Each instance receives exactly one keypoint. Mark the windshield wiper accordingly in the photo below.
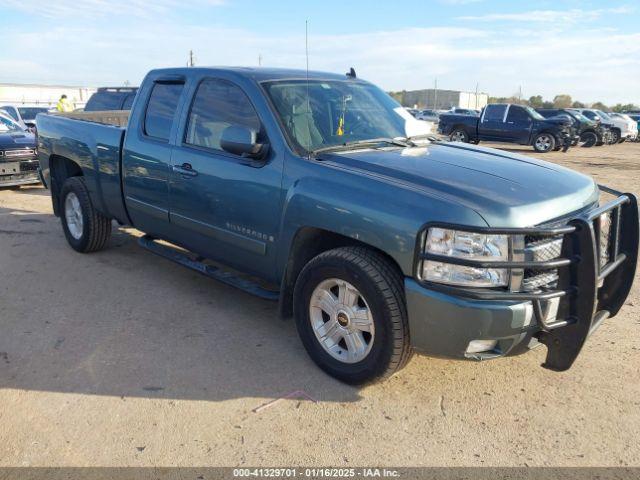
(400, 142)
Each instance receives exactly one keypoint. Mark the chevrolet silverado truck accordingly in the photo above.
(18, 154)
(510, 123)
(306, 188)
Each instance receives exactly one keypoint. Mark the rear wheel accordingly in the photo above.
(86, 229)
(351, 316)
(459, 135)
(544, 142)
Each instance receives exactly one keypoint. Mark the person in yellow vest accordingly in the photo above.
(64, 105)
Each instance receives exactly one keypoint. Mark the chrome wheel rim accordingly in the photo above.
(543, 142)
(457, 136)
(73, 215)
(341, 320)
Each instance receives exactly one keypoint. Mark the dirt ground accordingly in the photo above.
(121, 358)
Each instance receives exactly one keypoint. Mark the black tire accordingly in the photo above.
(459, 135)
(615, 136)
(622, 140)
(96, 228)
(557, 148)
(381, 286)
(544, 143)
(589, 139)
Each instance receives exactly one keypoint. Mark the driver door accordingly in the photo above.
(518, 125)
(221, 205)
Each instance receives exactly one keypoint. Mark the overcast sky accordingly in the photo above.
(588, 49)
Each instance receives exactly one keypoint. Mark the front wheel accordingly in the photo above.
(615, 136)
(351, 316)
(544, 142)
(86, 229)
(588, 139)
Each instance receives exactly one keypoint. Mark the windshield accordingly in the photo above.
(335, 112)
(534, 114)
(8, 125)
(29, 113)
(603, 115)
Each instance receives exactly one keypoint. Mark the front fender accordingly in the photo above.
(376, 212)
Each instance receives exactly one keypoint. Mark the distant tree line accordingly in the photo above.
(562, 101)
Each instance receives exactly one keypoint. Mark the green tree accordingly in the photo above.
(578, 104)
(562, 101)
(547, 104)
(624, 108)
(599, 106)
(536, 101)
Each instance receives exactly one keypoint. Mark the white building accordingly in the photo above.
(44, 95)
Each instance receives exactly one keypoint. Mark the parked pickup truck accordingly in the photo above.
(378, 244)
(18, 154)
(509, 123)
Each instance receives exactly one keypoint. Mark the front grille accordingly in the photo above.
(540, 249)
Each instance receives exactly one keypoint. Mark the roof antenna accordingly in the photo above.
(306, 51)
(351, 73)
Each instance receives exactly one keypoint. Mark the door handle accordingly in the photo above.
(186, 170)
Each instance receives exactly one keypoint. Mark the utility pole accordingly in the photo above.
(476, 95)
(259, 59)
(435, 94)
(520, 94)
(190, 63)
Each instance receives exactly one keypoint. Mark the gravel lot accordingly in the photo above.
(121, 358)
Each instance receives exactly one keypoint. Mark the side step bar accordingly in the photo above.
(211, 271)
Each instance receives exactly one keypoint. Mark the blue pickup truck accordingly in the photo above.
(379, 243)
(508, 123)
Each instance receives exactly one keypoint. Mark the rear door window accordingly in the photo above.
(494, 113)
(217, 105)
(161, 109)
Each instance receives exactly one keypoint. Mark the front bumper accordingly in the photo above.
(26, 175)
(443, 325)
(443, 320)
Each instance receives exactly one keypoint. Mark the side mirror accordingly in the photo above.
(242, 141)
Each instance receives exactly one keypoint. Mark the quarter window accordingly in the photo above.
(494, 113)
(161, 109)
(217, 105)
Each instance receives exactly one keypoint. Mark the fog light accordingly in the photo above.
(479, 346)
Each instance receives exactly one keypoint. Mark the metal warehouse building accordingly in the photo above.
(45, 95)
(441, 99)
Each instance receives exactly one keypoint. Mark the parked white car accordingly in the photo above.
(632, 122)
(25, 115)
(621, 128)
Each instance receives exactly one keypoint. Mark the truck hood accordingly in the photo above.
(506, 189)
(9, 140)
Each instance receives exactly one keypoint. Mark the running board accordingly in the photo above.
(211, 271)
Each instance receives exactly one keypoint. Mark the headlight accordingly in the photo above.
(467, 246)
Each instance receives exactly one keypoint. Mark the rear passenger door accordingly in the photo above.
(147, 158)
(224, 206)
(491, 125)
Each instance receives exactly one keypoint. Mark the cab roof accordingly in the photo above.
(258, 74)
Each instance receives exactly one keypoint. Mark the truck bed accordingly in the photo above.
(95, 144)
(119, 118)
